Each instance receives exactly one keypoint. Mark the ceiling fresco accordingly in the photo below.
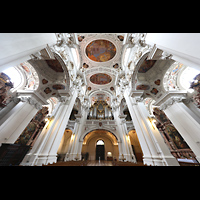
(100, 79)
(55, 65)
(100, 59)
(100, 97)
(100, 50)
(146, 65)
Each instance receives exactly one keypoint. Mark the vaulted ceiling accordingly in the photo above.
(101, 60)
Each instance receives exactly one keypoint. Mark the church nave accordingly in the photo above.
(99, 99)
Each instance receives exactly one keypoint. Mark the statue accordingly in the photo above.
(5, 86)
(195, 85)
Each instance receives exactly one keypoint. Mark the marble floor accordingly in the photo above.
(101, 163)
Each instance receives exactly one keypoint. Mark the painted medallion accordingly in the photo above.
(100, 50)
(100, 79)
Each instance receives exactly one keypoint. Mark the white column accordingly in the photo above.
(125, 141)
(48, 143)
(18, 118)
(76, 143)
(68, 154)
(193, 110)
(125, 145)
(184, 122)
(32, 157)
(8, 110)
(183, 46)
(155, 151)
(17, 47)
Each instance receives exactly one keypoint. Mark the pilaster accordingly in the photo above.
(186, 125)
(155, 151)
(46, 146)
(76, 146)
(8, 110)
(183, 121)
(124, 146)
(22, 114)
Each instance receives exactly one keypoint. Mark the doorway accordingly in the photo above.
(92, 139)
(100, 150)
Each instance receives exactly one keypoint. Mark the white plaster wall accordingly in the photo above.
(16, 47)
(184, 46)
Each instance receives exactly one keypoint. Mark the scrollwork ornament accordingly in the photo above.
(62, 99)
(163, 106)
(188, 100)
(32, 101)
(38, 106)
(138, 99)
(24, 99)
(15, 99)
(171, 101)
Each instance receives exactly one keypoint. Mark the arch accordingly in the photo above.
(185, 77)
(53, 76)
(100, 142)
(137, 67)
(178, 76)
(94, 92)
(91, 147)
(14, 73)
(170, 78)
(64, 67)
(28, 75)
(92, 129)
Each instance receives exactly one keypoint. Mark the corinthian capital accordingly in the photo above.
(33, 98)
(32, 102)
(170, 98)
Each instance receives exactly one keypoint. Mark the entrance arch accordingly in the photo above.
(92, 149)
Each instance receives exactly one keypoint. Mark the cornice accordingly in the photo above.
(32, 97)
(170, 98)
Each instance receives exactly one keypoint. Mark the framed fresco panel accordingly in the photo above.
(100, 50)
(100, 79)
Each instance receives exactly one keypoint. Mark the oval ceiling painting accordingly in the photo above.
(100, 50)
(100, 79)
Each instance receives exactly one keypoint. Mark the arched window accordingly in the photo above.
(179, 77)
(100, 142)
(23, 77)
(170, 78)
(186, 77)
(15, 75)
